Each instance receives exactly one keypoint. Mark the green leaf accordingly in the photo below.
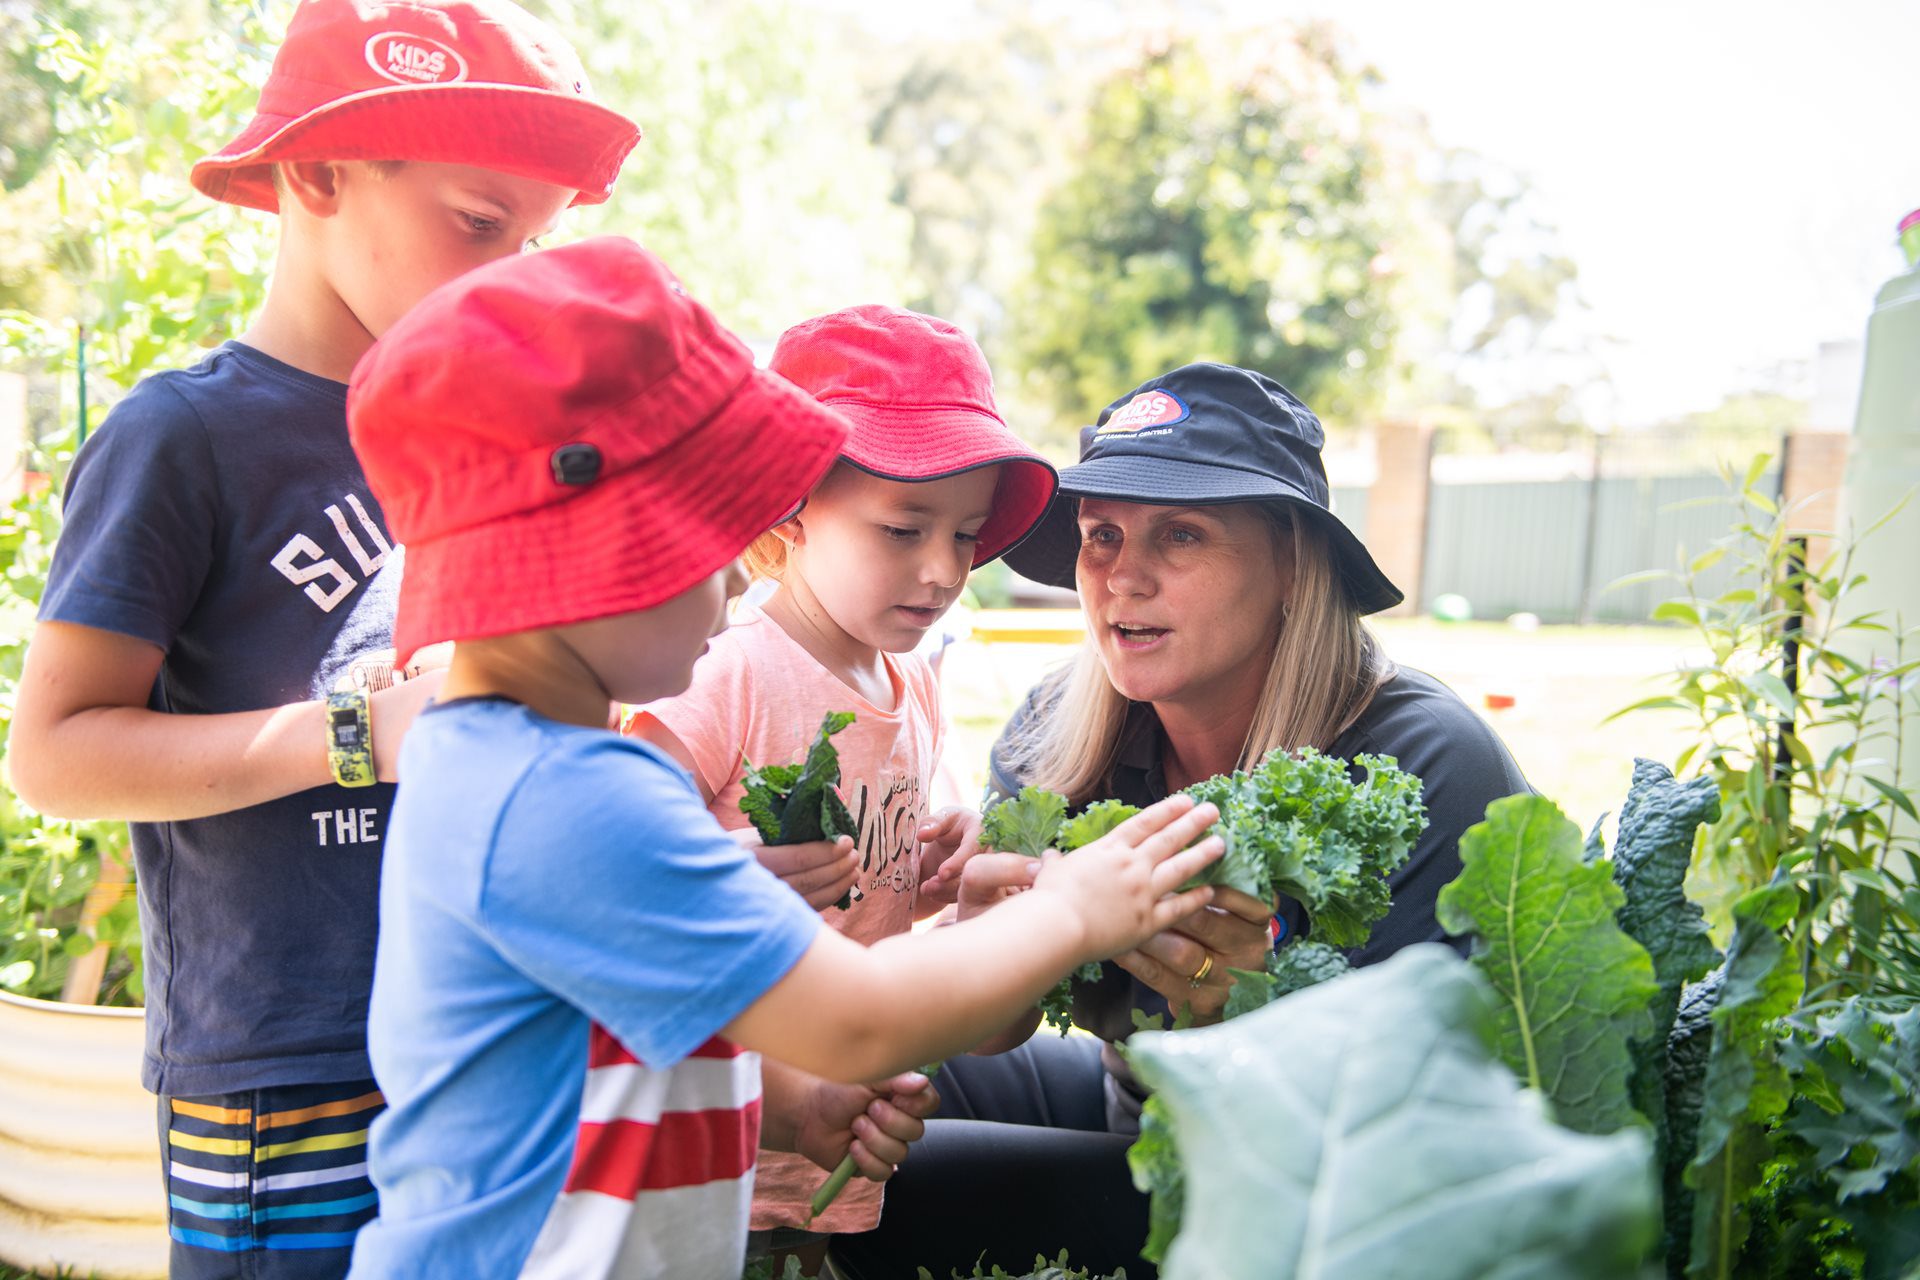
(16, 975)
(1155, 1162)
(1323, 840)
(1658, 827)
(1676, 611)
(797, 803)
(1094, 821)
(1364, 1128)
(1027, 824)
(1745, 1088)
(1900, 799)
(1689, 1045)
(1772, 688)
(1872, 1063)
(1574, 987)
(1292, 968)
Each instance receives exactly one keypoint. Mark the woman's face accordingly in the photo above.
(1183, 603)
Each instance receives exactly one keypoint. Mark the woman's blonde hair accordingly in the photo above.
(1324, 669)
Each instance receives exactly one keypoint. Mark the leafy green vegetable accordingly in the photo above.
(1688, 1045)
(1027, 824)
(1746, 1088)
(1365, 1128)
(797, 803)
(1032, 823)
(1154, 1159)
(1574, 988)
(1298, 825)
(1094, 821)
(1864, 1123)
(1290, 969)
(1658, 827)
(1057, 1269)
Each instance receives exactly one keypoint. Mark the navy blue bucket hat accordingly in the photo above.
(1202, 435)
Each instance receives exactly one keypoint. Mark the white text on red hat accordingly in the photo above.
(406, 58)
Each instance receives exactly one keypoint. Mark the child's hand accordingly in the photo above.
(1122, 885)
(819, 871)
(948, 840)
(391, 713)
(873, 1123)
(992, 878)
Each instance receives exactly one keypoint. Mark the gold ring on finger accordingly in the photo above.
(1200, 975)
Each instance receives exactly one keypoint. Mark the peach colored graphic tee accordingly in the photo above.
(758, 696)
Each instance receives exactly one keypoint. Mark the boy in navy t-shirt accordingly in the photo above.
(575, 454)
(224, 569)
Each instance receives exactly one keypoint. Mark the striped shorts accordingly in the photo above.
(269, 1183)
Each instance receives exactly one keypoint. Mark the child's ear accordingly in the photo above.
(313, 184)
(792, 532)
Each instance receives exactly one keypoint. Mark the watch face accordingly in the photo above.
(346, 729)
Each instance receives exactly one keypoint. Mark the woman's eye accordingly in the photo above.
(1098, 537)
(1182, 537)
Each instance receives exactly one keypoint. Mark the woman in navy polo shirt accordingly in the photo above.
(1223, 602)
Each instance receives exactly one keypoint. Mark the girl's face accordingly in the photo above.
(885, 559)
(1183, 603)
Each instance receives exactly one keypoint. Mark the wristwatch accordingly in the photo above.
(350, 739)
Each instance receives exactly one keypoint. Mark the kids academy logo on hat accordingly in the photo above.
(1150, 411)
(405, 58)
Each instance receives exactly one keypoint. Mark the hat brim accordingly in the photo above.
(917, 443)
(1050, 553)
(568, 141)
(631, 542)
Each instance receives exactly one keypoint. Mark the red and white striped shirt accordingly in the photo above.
(662, 1178)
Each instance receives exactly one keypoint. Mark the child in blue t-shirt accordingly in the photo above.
(224, 571)
(575, 454)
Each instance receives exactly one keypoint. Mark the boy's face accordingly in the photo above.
(646, 655)
(886, 559)
(392, 235)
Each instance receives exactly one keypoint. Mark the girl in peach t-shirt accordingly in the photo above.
(931, 484)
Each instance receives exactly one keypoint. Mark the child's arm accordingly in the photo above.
(824, 1121)
(853, 1013)
(85, 745)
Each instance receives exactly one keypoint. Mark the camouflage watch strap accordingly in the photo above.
(350, 739)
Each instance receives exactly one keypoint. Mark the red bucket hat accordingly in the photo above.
(920, 397)
(566, 435)
(479, 82)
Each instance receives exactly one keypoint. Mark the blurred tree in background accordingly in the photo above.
(1230, 201)
(754, 180)
(1243, 196)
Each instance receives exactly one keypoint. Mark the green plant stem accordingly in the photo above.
(830, 1189)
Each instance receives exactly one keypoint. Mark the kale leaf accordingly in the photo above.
(1027, 824)
(797, 803)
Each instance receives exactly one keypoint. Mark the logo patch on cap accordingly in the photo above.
(1145, 411)
(405, 58)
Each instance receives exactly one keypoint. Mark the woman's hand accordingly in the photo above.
(1233, 933)
(819, 870)
(875, 1124)
(948, 841)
